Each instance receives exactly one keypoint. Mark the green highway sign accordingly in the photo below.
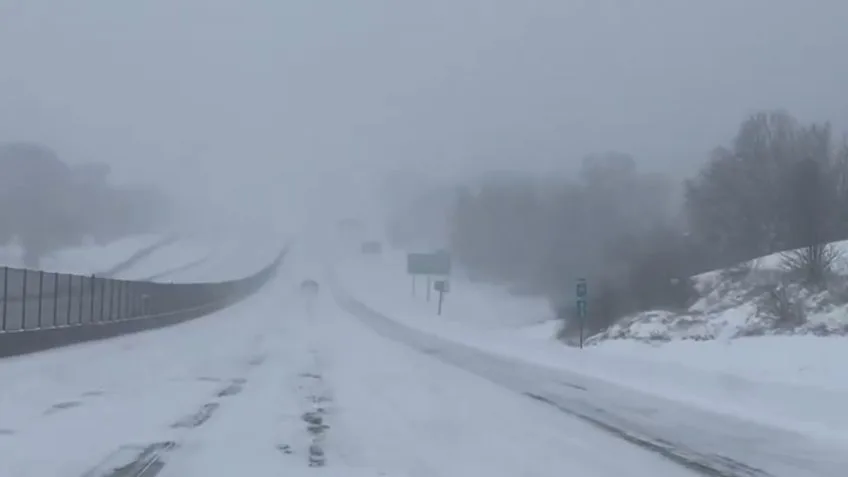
(582, 291)
(428, 263)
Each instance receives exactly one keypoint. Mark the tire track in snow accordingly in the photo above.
(317, 398)
(150, 460)
(198, 418)
(527, 379)
(714, 466)
(134, 461)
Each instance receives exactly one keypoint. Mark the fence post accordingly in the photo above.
(128, 300)
(55, 300)
(133, 299)
(111, 300)
(93, 287)
(24, 301)
(124, 297)
(103, 298)
(81, 298)
(40, 295)
(128, 309)
(120, 300)
(70, 298)
(5, 293)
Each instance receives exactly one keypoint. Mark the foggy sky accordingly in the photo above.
(268, 109)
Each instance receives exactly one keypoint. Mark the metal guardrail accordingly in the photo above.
(37, 303)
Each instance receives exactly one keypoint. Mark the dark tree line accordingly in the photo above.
(638, 237)
(46, 204)
(782, 185)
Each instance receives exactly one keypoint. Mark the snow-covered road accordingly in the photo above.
(277, 381)
(711, 443)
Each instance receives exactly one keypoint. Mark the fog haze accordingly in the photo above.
(270, 110)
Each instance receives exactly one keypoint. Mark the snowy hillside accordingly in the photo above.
(84, 259)
(207, 259)
(753, 299)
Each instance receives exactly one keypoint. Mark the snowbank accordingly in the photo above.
(752, 299)
(798, 382)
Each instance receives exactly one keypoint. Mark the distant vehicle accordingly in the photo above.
(372, 247)
(309, 286)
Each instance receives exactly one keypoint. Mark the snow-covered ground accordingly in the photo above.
(206, 259)
(227, 258)
(169, 259)
(83, 260)
(754, 298)
(796, 383)
(274, 382)
(190, 258)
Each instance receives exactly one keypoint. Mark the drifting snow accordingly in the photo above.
(797, 383)
(228, 394)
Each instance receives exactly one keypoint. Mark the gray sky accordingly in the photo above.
(261, 106)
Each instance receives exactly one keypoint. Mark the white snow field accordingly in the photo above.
(182, 254)
(772, 403)
(189, 258)
(277, 382)
(205, 258)
(220, 257)
(83, 260)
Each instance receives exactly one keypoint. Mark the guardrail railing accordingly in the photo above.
(34, 302)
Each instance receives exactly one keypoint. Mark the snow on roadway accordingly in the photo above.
(206, 259)
(230, 392)
(175, 256)
(85, 259)
(782, 378)
(380, 283)
(397, 412)
(234, 256)
(196, 258)
(63, 411)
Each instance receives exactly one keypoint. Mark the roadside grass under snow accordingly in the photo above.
(797, 382)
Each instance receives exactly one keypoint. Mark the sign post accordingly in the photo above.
(582, 292)
(428, 264)
(441, 286)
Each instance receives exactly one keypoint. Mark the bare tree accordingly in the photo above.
(812, 264)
